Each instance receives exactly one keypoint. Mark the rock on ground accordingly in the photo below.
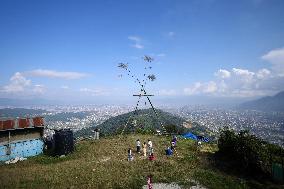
(171, 186)
(163, 186)
(197, 187)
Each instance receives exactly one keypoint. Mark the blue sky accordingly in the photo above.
(70, 49)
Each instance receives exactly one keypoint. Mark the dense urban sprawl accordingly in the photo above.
(267, 125)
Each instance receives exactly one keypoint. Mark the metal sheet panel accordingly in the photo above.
(23, 122)
(20, 123)
(1, 125)
(8, 124)
(25, 148)
(38, 121)
(3, 153)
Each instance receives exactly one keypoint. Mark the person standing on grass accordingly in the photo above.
(138, 146)
(129, 156)
(144, 149)
(172, 146)
(174, 140)
(150, 147)
(149, 182)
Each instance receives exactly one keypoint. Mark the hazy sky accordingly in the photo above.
(70, 49)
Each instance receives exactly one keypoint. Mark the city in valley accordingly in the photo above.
(266, 125)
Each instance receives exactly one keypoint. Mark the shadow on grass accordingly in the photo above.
(48, 158)
(221, 172)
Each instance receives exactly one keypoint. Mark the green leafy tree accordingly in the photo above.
(249, 153)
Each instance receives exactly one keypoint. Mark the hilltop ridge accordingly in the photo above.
(144, 119)
(268, 103)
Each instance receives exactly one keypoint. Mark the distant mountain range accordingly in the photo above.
(269, 103)
(20, 112)
(26, 102)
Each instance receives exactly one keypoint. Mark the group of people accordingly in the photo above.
(147, 149)
(170, 150)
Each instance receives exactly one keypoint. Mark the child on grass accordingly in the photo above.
(129, 157)
(144, 149)
(138, 146)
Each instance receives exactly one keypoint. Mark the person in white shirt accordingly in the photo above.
(129, 156)
(150, 147)
(138, 146)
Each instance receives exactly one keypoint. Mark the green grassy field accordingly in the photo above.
(103, 164)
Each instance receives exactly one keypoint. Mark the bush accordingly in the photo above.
(227, 142)
(175, 129)
(249, 153)
(171, 128)
(145, 131)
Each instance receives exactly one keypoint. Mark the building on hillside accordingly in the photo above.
(21, 137)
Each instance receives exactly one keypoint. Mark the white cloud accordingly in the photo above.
(193, 89)
(39, 89)
(210, 87)
(243, 77)
(18, 83)
(245, 83)
(94, 92)
(171, 34)
(239, 82)
(56, 74)
(138, 46)
(199, 88)
(243, 73)
(167, 92)
(86, 90)
(276, 58)
(137, 42)
(161, 55)
(134, 38)
(263, 73)
(222, 87)
(246, 93)
(223, 74)
(64, 87)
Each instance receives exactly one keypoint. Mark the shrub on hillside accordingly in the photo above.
(145, 131)
(249, 153)
(171, 128)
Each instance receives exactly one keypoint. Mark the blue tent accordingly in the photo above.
(194, 137)
(205, 139)
(202, 138)
(190, 136)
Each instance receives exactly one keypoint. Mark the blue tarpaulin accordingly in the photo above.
(205, 139)
(194, 137)
(190, 136)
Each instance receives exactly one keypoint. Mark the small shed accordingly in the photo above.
(21, 137)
